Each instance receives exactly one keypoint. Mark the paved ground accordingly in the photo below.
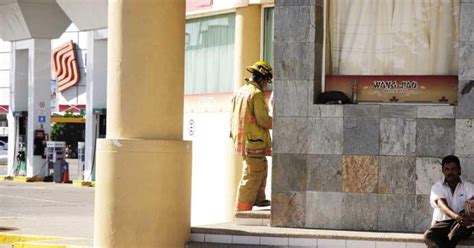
(47, 209)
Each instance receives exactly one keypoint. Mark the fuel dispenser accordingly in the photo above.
(57, 166)
(19, 143)
(100, 115)
(81, 159)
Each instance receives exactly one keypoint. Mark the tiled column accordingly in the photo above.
(143, 191)
(31, 80)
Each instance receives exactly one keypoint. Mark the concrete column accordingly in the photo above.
(143, 189)
(31, 80)
(247, 51)
(96, 93)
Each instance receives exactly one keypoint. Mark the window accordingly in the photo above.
(268, 16)
(209, 51)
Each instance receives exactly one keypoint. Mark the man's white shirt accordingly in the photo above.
(463, 192)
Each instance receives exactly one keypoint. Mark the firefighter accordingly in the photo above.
(250, 125)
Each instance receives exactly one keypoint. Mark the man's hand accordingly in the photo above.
(463, 219)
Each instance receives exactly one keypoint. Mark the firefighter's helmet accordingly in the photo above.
(262, 68)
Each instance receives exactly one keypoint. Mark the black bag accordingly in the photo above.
(333, 97)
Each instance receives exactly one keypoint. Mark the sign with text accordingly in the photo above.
(415, 89)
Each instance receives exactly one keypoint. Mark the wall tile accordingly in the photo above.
(288, 209)
(385, 244)
(423, 213)
(465, 137)
(465, 108)
(289, 172)
(218, 238)
(291, 98)
(360, 244)
(324, 173)
(361, 110)
(397, 175)
(466, 60)
(396, 213)
(435, 111)
(361, 136)
(398, 111)
(325, 135)
(251, 240)
(397, 136)
(428, 171)
(331, 243)
(296, 60)
(435, 137)
(273, 241)
(290, 135)
(416, 245)
(323, 210)
(466, 31)
(303, 242)
(358, 212)
(295, 24)
(359, 174)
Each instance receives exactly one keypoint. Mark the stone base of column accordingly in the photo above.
(143, 193)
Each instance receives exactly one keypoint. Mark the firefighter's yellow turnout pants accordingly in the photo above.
(253, 182)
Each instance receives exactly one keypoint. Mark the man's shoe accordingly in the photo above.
(264, 203)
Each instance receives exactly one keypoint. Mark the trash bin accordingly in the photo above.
(61, 171)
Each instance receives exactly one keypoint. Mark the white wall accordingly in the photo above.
(4, 72)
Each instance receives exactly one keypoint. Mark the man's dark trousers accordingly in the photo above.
(437, 235)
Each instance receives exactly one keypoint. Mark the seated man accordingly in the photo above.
(448, 196)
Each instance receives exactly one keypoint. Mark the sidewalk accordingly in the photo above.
(47, 209)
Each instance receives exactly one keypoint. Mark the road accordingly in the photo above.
(47, 209)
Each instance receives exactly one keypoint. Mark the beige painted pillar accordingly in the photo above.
(143, 190)
(247, 51)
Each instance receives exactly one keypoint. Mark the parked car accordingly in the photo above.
(3, 145)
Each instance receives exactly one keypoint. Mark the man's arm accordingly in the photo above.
(443, 205)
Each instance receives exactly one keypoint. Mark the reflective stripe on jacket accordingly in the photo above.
(250, 122)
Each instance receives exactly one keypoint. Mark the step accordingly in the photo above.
(230, 235)
(256, 217)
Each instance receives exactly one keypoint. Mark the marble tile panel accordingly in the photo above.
(359, 174)
(331, 110)
(397, 175)
(465, 137)
(288, 209)
(295, 24)
(358, 212)
(398, 111)
(467, 168)
(361, 110)
(428, 171)
(397, 136)
(323, 210)
(296, 60)
(466, 31)
(465, 108)
(290, 135)
(435, 137)
(324, 173)
(361, 136)
(396, 213)
(466, 60)
(289, 172)
(290, 98)
(423, 213)
(325, 135)
(435, 111)
(295, 3)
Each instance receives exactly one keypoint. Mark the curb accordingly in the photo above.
(31, 241)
